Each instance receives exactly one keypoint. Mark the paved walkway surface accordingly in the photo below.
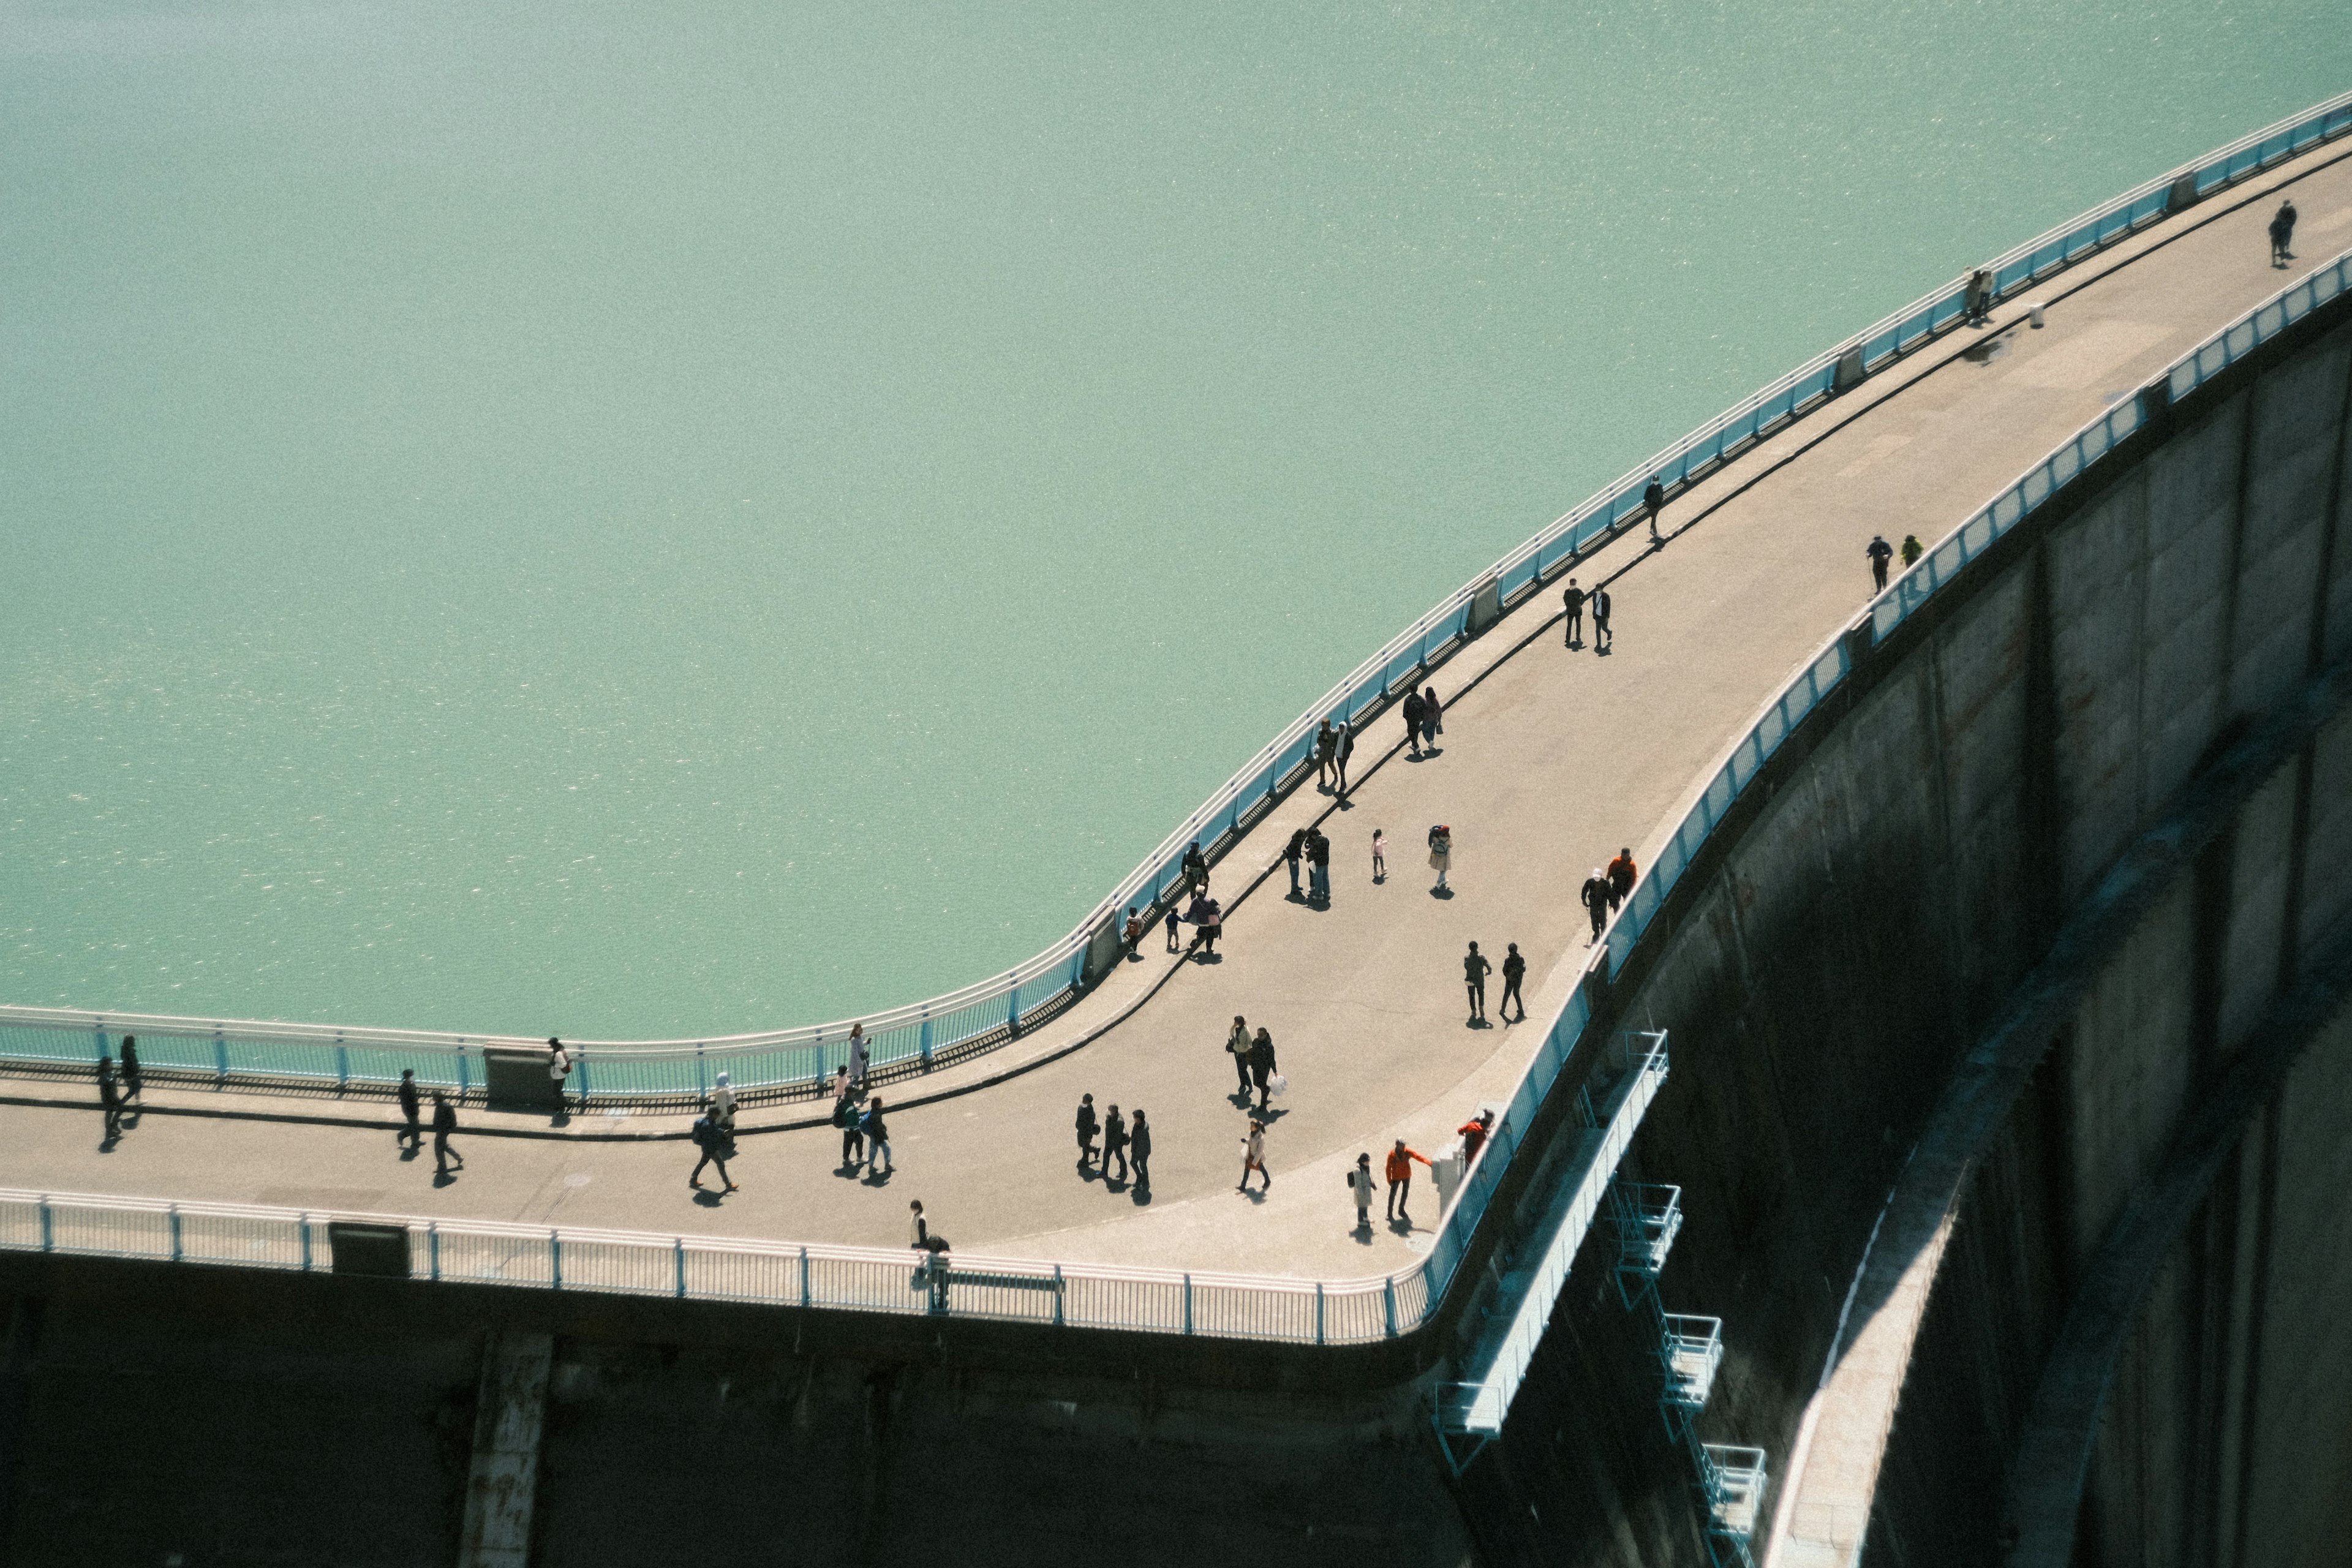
(1552, 758)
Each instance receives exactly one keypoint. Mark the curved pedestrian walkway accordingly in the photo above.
(1551, 759)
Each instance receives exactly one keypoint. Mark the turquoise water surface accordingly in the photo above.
(662, 521)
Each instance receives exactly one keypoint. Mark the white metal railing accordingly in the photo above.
(916, 1033)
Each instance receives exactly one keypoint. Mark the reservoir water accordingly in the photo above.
(668, 521)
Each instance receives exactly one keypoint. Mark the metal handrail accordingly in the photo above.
(904, 1033)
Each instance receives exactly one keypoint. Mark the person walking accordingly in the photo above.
(1088, 1127)
(1399, 1170)
(1360, 1188)
(1237, 1045)
(1292, 853)
(109, 1098)
(846, 1117)
(1602, 641)
(1514, 970)
(1572, 606)
(1326, 750)
(1115, 1145)
(1412, 722)
(445, 1122)
(715, 1136)
(2283, 233)
(1595, 895)
(1441, 854)
(1261, 1064)
(1880, 553)
(1213, 924)
(1977, 308)
(1196, 869)
(1432, 715)
(1912, 551)
(413, 1135)
(1254, 1156)
(1380, 856)
(857, 1057)
(1318, 864)
(1474, 970)
(1139, 1146)
(133, 1085)
(559, 1068)
(1172, 928)
(1654, 501)
(1339, 758)
(877, 1139)
(722, 1100)
(1620, 877)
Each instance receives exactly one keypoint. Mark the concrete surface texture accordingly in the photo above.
(1552, 758)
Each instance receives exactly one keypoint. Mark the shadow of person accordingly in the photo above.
(1400, 1225)
(706, 1198)
(1440, 892)
(106, 1143)
(878, 1178)
(1363, 1231)
(1114, 1184)
(1209, 958)
(1478, 1023)
(409, 1151)
(1140, 1195)
(1256, 1195)
(444, 1178)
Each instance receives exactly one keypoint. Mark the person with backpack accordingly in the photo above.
(132, 1086)
(413, 1135)
(1294, 852)
(1912, 551)
(1595, 897)
(1514, 970)
(1572, 606)
(1412, 722)
(558, 1067)
(1138, 1145)
(845, 1116)
(1319, 867)
(1441, 854)
(1601, 640)
(1474, 970)
(877, 1139)
(715, 1136)
(1237, 1046)
(445, 1122)
(1115, 1145)
(1261, 1065)
(1359, 1186)
(1088, 1127)
(1339, 758)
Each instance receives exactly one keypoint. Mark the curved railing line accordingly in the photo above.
(1001, 1003)
(1289, 1310)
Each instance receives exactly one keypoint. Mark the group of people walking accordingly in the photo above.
(1606, 889)
(1575, 602)
(1125, 1140)
(1475, 967)
(1880, 553)
(1309, 845)
(118, 1087)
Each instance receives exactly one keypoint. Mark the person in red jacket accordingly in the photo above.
(1399, 1175)
(1474, 1136)
(1620, 877)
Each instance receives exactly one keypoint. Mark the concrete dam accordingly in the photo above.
(1932, 1161)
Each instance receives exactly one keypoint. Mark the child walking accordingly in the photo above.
(1380, 856)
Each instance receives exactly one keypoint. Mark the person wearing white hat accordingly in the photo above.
(1596, 900)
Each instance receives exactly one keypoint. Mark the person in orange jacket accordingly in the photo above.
(1474, 1136)
(1399, 1175)
(1620, 877)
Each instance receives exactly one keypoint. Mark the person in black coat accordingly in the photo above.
(132, 1086)
(1088, 1127)
(445, 1122)
(1196, 869)
(1596, 900)
(1514, 970)
(1654, 501)
(1115, 1145)
(1571, 603)
(1261, 1064)
(413, 1135)
(1413, 722)
(1139, 1146)
(110, 1096)
(1347, 749)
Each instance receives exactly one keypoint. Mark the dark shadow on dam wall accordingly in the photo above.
(1912, 855)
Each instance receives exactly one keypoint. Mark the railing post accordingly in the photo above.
(48, 1226)
(465, 1072)
(220, 1056)
(1387, 1291)
(342, 1066)
(805, 1277)
(925, 1042)
(702, 1071)
(432, 1247)
(1013, 1007)
(99, 1037)
(303, 1222)
(175, 1216)
(1318, 1311)
(555, 1259)
(1188, 1279)
(1058, 1296)
(678, 1255)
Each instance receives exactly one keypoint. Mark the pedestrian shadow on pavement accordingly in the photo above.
(1141, 1196)
(707, 1199)
(444, 1178)
(1208, 958)
(1478, 1023)
(1255, 1195)
(1400, 1225)
(106, 1145)
(1363, 1232)
(879, 1178)
(409, 1151)
(1440, 892)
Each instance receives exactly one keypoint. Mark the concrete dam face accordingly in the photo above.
(1992, 1212)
